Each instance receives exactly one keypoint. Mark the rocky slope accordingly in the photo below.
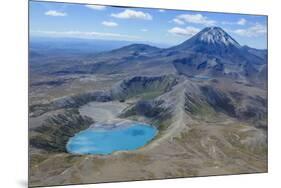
(203, 128)
(56, 130)
(207, 97)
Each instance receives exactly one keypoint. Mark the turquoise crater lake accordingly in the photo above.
(108, 140)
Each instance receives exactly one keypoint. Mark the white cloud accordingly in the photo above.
(96, 7)
(242, 21)
(178, 21)
(109, 24)
(161, 10)
(84, 34)
(132, 14)
(144, 30)
(55, 13)
(194, 18)
(254, 31)
(187, 32)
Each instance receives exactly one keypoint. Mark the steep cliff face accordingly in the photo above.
(56, 130)
(135, 86)
(140, 84)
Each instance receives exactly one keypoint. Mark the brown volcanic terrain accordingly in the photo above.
(210, 109)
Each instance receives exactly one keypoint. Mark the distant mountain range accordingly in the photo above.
(210, 53)
(52, 45)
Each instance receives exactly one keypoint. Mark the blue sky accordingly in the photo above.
(168, 27)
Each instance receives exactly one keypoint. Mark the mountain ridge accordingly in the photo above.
(212, 52)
